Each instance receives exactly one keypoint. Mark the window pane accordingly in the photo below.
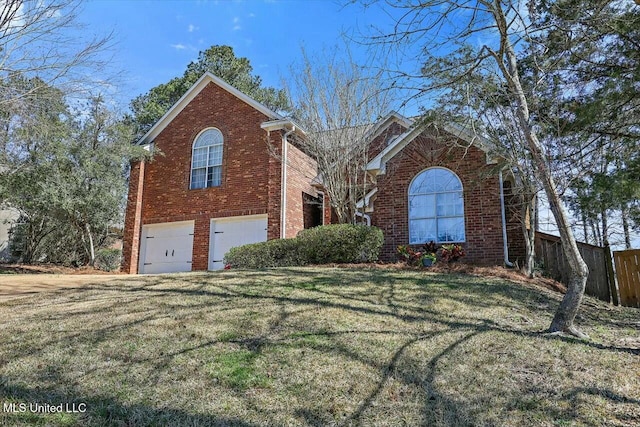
(424, 183)
(436, 207)
(445, 180)
(422, 231)
(215, 155)
(208, 137)
(198, 178)
(199, 158)
(450, 204)
(423, 206)
(451, 229)
(214, 176)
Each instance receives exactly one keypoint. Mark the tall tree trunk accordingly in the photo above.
(530, 236)
(596, 233)
(624, 211)
(585, 229)
(578, 271)
(92, 250)
(605, 227)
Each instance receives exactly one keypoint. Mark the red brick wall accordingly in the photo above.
(483, 225)
(301, 170)
(132, 222)
(380, 142)
(250, 175)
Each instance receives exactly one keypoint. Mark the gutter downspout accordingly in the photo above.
(283, 196)
(366, 218)
(504, 225)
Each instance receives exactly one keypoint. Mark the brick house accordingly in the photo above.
(227, 172)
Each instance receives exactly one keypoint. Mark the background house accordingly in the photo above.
(8, 218)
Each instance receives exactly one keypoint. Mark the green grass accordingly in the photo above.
(316, 346)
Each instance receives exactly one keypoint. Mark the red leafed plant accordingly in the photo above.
(408, 254)
(451, 253)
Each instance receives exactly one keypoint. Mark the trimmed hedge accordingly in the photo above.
(341, 243)
(337, 243)
(272, 253)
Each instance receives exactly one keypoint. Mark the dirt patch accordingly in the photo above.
(28, 281)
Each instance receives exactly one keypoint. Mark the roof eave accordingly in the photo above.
(193, 91)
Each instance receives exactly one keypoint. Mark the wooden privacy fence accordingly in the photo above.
(628, 275)
(549, 253)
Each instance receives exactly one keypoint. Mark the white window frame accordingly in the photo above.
(219, 143)
(435, 216)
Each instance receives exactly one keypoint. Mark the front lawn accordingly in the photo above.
(314, 346)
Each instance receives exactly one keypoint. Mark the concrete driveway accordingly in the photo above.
(17, 285)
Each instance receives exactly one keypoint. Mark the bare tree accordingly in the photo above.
(44, 39)
(337, 103)
(457, 38)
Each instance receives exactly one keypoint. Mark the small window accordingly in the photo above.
(436, 207)
(206, 160)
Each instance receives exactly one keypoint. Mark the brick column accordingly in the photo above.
(133, 219)
(200, 260)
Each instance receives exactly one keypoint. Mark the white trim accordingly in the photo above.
(283, 124)
(283, 186)
(366, 200)
(191, 94)
(366, 217)
(384, 123)
(206, 168)
(378, 164)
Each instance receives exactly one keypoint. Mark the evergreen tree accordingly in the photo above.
(219, 60)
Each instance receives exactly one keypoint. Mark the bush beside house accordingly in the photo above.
(338, 243)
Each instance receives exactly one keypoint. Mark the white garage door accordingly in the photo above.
(166, 247)
(230, 232)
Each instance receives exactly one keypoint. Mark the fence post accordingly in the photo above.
(611, 277)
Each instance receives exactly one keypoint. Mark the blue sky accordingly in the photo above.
(157, 39)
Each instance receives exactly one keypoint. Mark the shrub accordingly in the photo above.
(412, 257)
(451, 253)
(272, 253)
(408, 255)
(337, 243)
(341, 243)
(108, 259)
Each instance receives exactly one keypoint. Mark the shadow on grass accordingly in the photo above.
(471, 291)
(376, 294)
(100, 410)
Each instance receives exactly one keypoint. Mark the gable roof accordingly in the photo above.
(377, 165)
(193, 91)
(385, 122)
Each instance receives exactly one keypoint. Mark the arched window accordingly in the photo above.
(206, 159)
(436, 207)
